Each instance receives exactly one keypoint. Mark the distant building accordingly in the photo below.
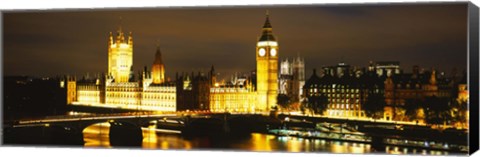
(292, 78)
(346, 92)
(387, 68)
(462, 94)
(417, 85)
(339, 70)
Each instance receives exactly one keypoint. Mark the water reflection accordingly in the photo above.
(400, 150)
(154, 140)
(98, 136)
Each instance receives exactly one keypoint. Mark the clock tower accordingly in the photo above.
(267, 68)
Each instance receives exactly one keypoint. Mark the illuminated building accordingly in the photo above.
(285, 78)
(119, 89)
(463, 99)
(345, 94)
(292, 78)
(415, 86)
(238, 96)
(158, 69)
(267, 52)
(71, 90)
(120, 56)
(345, 88)
(463, 89)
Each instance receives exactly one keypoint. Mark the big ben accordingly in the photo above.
(267, 68)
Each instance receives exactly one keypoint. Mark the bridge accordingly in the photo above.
(66, 129)
(70, 128)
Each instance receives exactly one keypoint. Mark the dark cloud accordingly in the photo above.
(46, 43)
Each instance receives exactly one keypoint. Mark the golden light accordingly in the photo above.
(262, 52)
(273, 51)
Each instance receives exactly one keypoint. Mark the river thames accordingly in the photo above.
(97, 135)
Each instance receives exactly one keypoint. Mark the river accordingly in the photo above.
(98, 136)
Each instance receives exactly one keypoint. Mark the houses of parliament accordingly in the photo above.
(120, 88)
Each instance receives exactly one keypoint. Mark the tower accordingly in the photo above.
(285, 77)
(120, 56)
(71, 89)
(213, 77)
(158, 69)
(267, 67)
(298, 72)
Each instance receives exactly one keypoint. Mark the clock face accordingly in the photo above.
(261, 52)
(273, 52)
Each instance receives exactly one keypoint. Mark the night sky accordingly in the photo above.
(50, 43)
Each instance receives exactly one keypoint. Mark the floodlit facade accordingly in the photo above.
(120, 56)
(345, 95)
(119, 89)
(233, 98)
(267, 52)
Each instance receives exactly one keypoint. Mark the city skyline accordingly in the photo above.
(324, 35)
(357, 78)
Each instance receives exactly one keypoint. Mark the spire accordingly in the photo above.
(212, 70)
(120, 23)
(267, 34)
(433, 77)
(267, 21)
(110, 39)
(158, 56)
(120, 36)
(130, 38)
